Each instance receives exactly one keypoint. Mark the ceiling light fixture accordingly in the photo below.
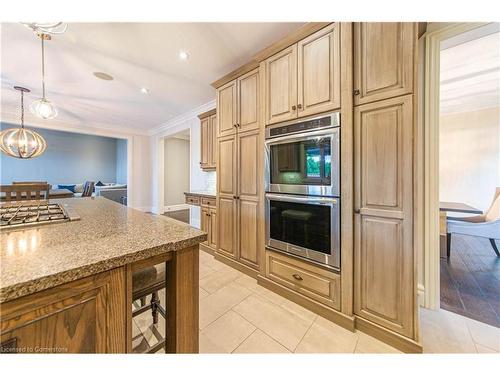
(43, 107)
(20, 142)
(144, 90)
(46, 28)
(103, 76)
(183, 55)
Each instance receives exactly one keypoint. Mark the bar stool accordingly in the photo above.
(149, 281)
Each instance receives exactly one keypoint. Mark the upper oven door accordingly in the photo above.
(306, 164)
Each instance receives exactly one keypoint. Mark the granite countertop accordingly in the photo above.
(107, 236)
(202, 193)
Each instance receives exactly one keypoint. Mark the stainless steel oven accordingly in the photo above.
(305, 226)
(302, 157)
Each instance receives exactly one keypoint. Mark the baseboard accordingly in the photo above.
(326, 312)
(176, 207)
(237, 265)
(393, 339)
(207, 249)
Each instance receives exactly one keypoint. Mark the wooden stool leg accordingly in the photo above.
(448, 244)
(143, 301)
(154, 306)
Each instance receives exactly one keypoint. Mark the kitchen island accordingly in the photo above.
(67, 287)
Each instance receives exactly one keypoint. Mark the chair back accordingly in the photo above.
(31, 183)
(88, 189)
(493, 212)
(25, 192)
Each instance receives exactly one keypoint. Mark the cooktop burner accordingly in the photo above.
(26, 214)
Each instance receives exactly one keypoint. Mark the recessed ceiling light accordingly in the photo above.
(144, 90)
(103, 76)
(183, 55)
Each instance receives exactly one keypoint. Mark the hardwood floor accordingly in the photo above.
(181, 215)
(470, 280)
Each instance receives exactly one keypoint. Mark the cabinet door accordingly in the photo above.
(226, 109)
(205, 222)
(383, 60)
(280, 82)
(227, 191)
(385, 292)
(248, 99)
(212, 241)
(205, 142)
(248, 197)
(213, 141)
(319, 71)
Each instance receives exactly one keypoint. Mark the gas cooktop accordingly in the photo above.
(31, 214)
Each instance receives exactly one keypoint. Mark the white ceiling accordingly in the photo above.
(136, 55)
(470, 71)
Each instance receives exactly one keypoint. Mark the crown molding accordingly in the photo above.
(182, 118)
(10, 114)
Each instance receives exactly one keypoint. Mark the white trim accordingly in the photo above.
(431, 158)
(176, 207)
(179, 120)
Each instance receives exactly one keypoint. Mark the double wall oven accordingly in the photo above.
(302, 183)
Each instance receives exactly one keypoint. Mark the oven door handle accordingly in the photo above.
(310, 199)
(330, 132)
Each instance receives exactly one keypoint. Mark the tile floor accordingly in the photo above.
(239, 316)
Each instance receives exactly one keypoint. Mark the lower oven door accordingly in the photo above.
(305, 226)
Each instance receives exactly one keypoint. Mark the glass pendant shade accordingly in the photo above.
(43, 108)
(22, 143)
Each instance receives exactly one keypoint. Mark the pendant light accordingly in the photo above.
(43, 107)
(46, 27)
(20, 142)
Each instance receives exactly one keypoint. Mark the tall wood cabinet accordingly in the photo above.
(303, 79)
(384, 272)
(208, 143)
(238, 177)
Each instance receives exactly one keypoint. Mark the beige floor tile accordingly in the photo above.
(218, 279)
(283, 326)
(327, 337)
(259, 342)
(203, 293)
(484, 334)
(205, 270)
(218, 303)
(369, 344)
(225, 334)
(444, 332)
(484, 350)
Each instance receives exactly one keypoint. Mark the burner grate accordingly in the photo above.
(22, 215)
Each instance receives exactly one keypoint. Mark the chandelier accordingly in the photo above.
(43, 107)
(46, 28)
(20, 142)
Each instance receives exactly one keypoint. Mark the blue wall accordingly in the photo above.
(69, 158)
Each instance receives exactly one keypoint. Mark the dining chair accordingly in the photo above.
(486, 225)
(25, 192)
(88, 189)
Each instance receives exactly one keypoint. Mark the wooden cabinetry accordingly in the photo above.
(383, 60)
(303, 79)
(85, 316)
(208, 124)
(209, 224)
(384, 259)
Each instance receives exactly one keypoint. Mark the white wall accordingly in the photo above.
(176, 170)
(469, 157)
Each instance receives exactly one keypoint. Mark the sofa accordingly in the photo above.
(110, 190)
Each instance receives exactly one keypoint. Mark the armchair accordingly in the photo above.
(486, 225)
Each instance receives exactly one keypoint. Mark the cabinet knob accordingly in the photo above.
(356, 92)
(297, 277)
(293, 108)
(357, 211)
(299, 106)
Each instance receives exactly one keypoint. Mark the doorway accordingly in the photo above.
(463, 170)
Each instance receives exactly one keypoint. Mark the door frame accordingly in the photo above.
(431, 244)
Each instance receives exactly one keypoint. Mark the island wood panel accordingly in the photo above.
(205, 142)
(83, 316)
(383, 60)
(226, 109)
(280, 90)
(319, 71)
(248, 101)
(384, 261)
(248, 197)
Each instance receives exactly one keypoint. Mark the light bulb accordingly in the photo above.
(43, 108)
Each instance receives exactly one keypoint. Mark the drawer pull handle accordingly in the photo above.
(297, 277)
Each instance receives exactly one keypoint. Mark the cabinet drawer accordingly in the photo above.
(190, 199)
(311, 281)
(210, 202)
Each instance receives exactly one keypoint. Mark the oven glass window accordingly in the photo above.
(302, 163)
(301, 224)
